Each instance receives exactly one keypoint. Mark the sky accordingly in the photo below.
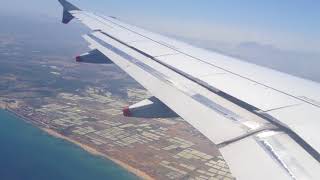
(287, 24)
(271, 31)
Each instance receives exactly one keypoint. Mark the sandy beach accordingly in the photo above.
(89, 149)
(93, 151)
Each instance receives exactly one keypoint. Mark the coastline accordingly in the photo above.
(93, 151)
(85, 147)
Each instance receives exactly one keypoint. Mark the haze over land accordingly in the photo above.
(281, 35)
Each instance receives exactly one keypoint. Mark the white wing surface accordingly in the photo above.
(266, 123)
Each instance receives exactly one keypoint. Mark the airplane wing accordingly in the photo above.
(265, 123)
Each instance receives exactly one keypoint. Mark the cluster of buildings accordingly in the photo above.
(175, 157)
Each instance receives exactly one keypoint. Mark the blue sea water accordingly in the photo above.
(27, 153)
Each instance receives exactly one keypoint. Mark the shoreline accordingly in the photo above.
(95, 152)
(85, 147)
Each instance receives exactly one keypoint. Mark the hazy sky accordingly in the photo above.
(282, 34)
(287, 24)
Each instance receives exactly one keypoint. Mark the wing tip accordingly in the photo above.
(67, 6)
(67, 17)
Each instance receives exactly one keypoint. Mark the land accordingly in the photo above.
(83, 104)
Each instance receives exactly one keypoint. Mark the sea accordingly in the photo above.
(28, 153)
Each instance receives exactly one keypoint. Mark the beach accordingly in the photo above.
(85, 147)
(30, 153)
(93, 151)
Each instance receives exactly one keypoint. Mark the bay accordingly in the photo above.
(27, 153)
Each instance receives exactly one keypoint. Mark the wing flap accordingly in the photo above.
(278, 157)
(304, 120)
(243, 158)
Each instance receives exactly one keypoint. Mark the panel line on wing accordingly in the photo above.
(283, 107)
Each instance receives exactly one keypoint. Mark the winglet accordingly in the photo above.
(67, 17)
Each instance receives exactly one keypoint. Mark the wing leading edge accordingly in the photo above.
(265, 127)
